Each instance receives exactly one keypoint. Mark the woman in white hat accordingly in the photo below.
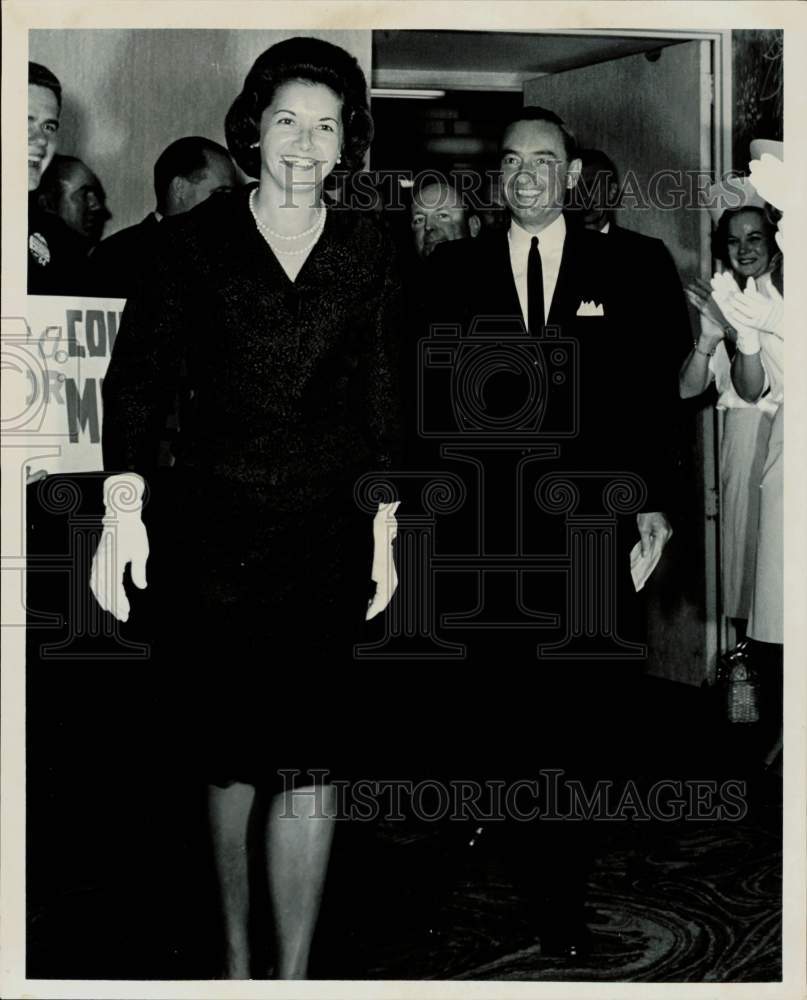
(744, 242)
(758, 373)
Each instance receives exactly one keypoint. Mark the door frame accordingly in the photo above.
(718, 632)
(716, 130)
(715, 147)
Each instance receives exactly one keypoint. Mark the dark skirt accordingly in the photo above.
(262, 609)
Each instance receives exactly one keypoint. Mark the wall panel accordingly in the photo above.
(128, 93)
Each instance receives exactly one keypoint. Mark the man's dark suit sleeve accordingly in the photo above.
(674, 324)
(109, 273)
(664, 317)
(143, 371)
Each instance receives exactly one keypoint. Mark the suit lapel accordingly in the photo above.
(566, 298)
(581, 276)
(500, 277)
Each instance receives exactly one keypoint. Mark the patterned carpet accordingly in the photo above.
(684, 902)
(120, 884)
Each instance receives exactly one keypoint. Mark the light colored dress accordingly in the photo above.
(766, 618)
(743, 450)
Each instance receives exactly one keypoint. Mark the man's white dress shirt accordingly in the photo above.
(550, 246)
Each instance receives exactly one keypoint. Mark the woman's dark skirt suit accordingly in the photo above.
(263, 561)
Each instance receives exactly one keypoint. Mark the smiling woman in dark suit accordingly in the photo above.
(285, 308)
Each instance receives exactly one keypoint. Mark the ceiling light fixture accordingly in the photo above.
(409, 94)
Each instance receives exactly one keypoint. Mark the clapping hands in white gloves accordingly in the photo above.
(725, 289)
(750, 308)
(123, 543)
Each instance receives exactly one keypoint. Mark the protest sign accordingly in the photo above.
(59, 354)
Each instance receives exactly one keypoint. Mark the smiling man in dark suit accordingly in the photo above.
(553, 345)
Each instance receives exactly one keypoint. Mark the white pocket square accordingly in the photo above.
(590, 309)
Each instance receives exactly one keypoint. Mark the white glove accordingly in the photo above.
(384, 574)
(123, 541)
(723, 287)
(752, 308)
(747, 339)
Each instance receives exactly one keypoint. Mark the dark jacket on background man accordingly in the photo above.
(57, 257)
(117, 261)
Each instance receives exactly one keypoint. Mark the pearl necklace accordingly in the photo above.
(269, 233)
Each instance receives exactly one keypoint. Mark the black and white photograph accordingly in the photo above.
(403, 568)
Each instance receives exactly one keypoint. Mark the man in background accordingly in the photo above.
(594, 204)
(439, 214)
(186, 173)
(55, 253)
(72, 191)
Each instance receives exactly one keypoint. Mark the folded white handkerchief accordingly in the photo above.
(642, 566)
(590, 309)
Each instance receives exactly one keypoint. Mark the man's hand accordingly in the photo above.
(654, 529)
(384, 574)
(123, 542)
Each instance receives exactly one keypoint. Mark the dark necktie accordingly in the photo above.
(535, 290)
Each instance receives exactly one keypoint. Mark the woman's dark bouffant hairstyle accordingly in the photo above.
(300, 59)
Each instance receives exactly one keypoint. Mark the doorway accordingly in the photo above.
(461, 85)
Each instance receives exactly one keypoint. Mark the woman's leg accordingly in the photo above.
(229, 811)
(298, 841)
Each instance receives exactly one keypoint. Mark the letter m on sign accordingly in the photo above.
(82, 410)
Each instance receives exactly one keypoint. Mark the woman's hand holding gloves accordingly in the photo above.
(384, 574)
(123, 542)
